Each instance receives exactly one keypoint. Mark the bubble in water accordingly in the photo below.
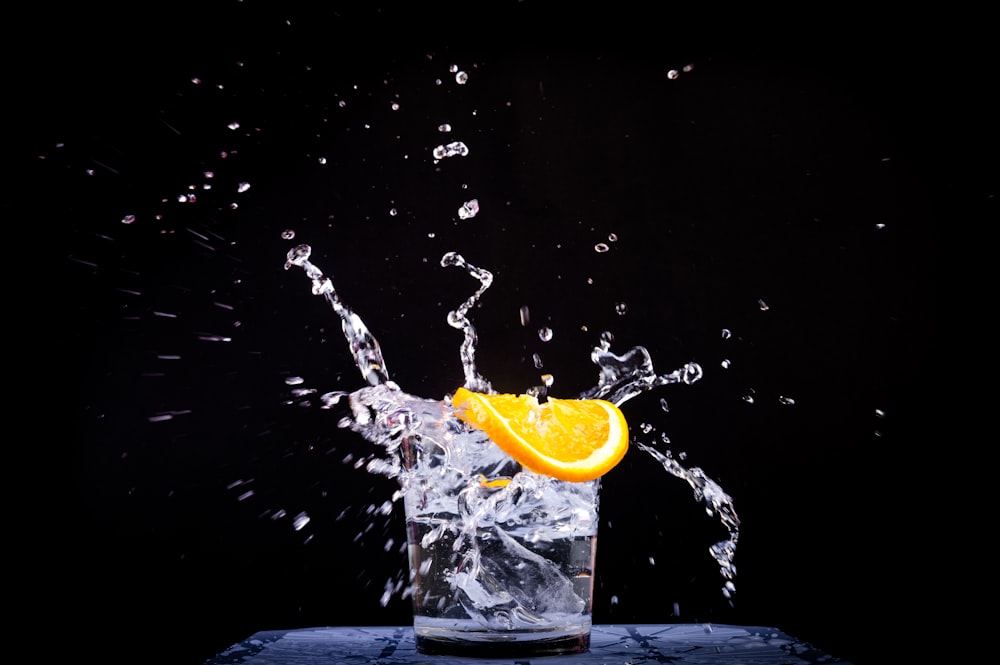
(763, 305)
(395, 106)
(461, 78)
(537, 359)
(242, 187)
(601, 248)
(725, 363)
(613, 237)
(545, 334)
(233, 126)
(879, 413)
(614, 600)
(672, 74)
(294, 381)
(788, 401)
(128, 219)
(393, 212)
(621, 309)
(288, 234)
(469, 209)
(525, 316)
(687, 68)
(646, 428)
(444, 127)
(664, 405)
(726, 334)
(548, 380)
(748, 399)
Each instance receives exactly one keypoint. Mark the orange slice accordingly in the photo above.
(569, 439)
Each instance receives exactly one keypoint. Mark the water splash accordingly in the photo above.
(364, 347)
(406, 426)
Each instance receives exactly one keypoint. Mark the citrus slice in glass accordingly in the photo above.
(569, 439)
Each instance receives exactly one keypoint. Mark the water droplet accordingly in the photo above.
(879, 413)
(548, 380)
(450, 150)
(243, 186)
(288, 234)
(687, 68)
(469, 209)
(525, 316)
(690, 373)
(545, 334)
(614, 600)
(672, 74)
(444, 127)
(233, 126)
(298, 256)
(322, 160)
(621, 309)
(786, 400)
(601, 248)
(452, 68)
(652, 561)
(294, 381)
(128, 219)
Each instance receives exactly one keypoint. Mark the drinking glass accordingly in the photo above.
(501, 559)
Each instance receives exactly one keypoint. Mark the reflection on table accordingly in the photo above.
(678, 644)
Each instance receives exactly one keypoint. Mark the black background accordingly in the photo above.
(807, 172)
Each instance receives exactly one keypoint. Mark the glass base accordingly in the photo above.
(500, 645)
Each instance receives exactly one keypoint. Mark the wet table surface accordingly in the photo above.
(678, 644)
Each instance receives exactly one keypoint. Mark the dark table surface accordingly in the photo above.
(678, 644)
